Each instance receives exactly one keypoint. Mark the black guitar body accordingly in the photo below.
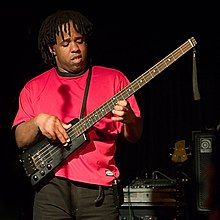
(41, 159)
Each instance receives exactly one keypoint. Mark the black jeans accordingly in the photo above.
(63, 199)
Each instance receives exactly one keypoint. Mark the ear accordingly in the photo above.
(52, 51)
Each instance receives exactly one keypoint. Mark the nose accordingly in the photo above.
(74, 46)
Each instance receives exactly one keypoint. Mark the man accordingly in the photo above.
(82, 186)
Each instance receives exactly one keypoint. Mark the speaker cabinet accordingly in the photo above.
(203, 146)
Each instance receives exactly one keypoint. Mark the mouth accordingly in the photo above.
(76, 59)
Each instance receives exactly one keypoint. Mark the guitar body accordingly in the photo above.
(41, 159)
(179, 155)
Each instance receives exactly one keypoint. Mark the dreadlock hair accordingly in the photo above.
(52, 26)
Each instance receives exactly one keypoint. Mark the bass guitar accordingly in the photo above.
(42, 158)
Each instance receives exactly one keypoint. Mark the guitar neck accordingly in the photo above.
(88, 121)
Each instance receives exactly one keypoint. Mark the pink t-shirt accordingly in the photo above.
(62, 96)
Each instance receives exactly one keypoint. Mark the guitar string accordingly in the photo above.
(59, 148)
(49, 146)
(41, 156)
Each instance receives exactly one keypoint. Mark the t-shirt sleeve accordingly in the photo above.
(25, 111)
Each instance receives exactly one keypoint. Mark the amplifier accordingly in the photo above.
(150, 193)
(149, 196)
(148, 213)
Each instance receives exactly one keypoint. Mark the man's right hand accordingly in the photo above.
(52, 127)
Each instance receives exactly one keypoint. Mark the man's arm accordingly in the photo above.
(133, 125)
(26, 133)
(47, 125)
(133, 131)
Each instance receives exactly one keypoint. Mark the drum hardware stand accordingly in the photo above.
(179, 156)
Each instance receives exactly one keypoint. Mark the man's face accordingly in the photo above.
(71, 51)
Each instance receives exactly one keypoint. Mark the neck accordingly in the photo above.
(65, 73)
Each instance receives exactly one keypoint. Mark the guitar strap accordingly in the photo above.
(82, 113)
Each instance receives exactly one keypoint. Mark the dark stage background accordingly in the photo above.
(131, 37)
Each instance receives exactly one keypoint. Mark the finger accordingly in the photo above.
(118, 108)
(62, 135)
(66, 126)
(117, 118)
(122, 103)
(118, 112)
(49, 135)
